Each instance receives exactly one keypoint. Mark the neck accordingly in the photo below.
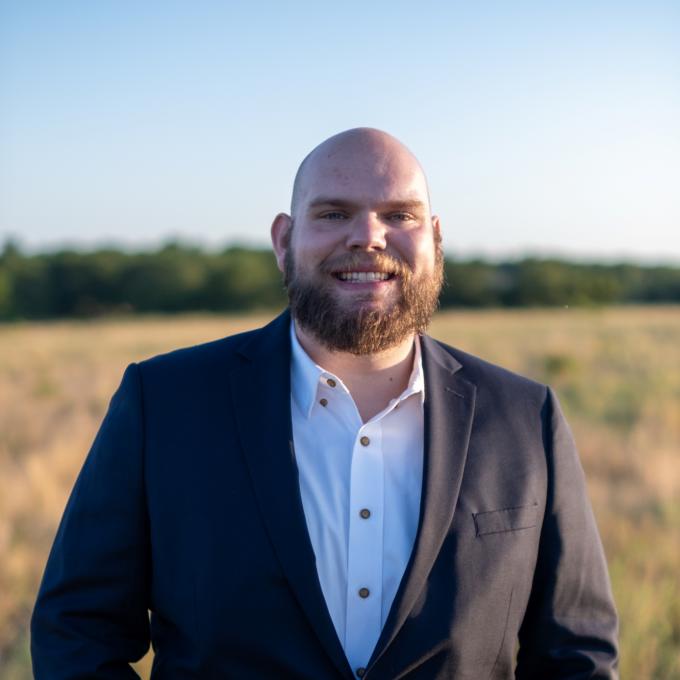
(372, 379)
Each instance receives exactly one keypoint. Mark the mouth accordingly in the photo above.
(363, 277)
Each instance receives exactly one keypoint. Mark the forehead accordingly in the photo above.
(364, 174)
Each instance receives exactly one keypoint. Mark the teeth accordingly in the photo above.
(363, 276)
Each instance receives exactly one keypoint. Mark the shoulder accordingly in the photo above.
(218, 356)
(205, 353)
(484, 375)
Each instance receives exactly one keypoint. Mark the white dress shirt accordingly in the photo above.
(360, 485)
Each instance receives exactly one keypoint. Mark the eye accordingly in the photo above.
(401, 216)
(332, 215)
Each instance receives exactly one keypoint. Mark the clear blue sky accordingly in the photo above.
(544, 127)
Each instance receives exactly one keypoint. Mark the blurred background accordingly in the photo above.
(146, 147)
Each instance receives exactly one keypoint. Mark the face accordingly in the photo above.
(361, 253)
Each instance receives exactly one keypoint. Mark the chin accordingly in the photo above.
(368, 303)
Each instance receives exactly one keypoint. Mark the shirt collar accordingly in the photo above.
(306, 376)
(416, 383)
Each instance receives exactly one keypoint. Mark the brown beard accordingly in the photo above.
(364, 330)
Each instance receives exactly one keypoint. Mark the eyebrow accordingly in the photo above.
(406, 204)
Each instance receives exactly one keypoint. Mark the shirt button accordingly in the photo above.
(361, 672)
(365, 441)
(365, 513)
(323, 402)
(364, 593)
(330, 382)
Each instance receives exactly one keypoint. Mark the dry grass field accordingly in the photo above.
(617, 372)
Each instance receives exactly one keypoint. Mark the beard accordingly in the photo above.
(364, 328)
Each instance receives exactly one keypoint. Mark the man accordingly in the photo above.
(336, 495)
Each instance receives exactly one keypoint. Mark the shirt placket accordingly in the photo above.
(365, 549)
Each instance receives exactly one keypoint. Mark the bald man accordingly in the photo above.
(336, 495)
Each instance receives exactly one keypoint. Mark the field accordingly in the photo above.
(616, 371)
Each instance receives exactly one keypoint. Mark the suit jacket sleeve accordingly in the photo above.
(91, 615)
(570, 626)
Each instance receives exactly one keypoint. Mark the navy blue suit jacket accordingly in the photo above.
(188, 506)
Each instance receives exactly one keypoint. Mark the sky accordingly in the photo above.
(545, 128)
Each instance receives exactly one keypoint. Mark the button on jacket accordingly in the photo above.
(189, 506)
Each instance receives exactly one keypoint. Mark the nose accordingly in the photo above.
(366, 233)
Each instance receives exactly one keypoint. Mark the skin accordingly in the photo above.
(359, 193)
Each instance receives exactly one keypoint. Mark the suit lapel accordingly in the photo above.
(261, 400)
(448, 413)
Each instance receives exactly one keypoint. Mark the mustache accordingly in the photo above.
(379, 262)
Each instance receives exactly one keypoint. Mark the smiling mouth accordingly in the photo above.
(363, 277)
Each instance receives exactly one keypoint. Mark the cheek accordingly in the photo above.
(305, 260)
(311, 240)
(312, 249)
(419, 251)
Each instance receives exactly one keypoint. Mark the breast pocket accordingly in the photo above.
(506, 519)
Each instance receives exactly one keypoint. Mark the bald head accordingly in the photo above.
(357, 151)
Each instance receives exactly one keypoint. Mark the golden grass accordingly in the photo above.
(617, 372)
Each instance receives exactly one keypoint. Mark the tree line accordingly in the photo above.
(180, 278)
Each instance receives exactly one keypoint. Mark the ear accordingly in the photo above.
(281, 234)
(437, 228)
